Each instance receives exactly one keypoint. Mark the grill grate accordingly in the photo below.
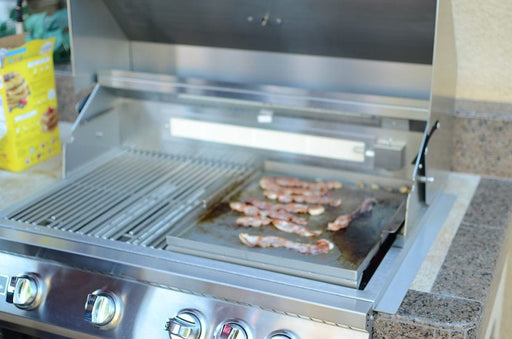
(135, 197)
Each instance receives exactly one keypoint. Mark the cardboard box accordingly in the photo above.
(29, 131)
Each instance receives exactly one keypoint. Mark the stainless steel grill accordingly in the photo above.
(192, 104)
(136, 197)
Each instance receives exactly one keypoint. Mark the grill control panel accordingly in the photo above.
(52, 297)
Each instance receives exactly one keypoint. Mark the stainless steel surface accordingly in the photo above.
(321, 73)
(72, 286)
(442, 103)
(278, 96)
(389, 30)
(225, 281)
(96, 41)
(422, 240)
(95, 126)
(141, 118)
(390, 155)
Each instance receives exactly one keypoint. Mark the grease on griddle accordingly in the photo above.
(354, 241)
(215, 212)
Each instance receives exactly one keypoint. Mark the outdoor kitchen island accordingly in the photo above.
(455, 293)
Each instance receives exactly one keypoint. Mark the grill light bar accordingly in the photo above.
(305, 144)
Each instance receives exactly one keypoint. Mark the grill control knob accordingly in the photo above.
(102, 309)
(185, 325)
(25, 291)
(232, 330)
(282, 335)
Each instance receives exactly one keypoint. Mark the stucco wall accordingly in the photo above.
(483, 34)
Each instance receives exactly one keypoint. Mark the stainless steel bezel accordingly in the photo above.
(285, 333)
(247, 329)
(40, 290)
(117, 313)
(198, 316)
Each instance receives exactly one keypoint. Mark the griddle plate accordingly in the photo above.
(216, 235)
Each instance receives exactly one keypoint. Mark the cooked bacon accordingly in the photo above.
(272, 186)
(290, 227)
(274, 214)
(322, 246)
(302, 199)
(245, 209)
(282, 225)
(253, 221)
(344, 220)
(265, 182)
(292, 208)
(298, 191)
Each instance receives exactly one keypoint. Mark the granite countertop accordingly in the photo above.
(15, 186)
(456, 283)
(462, 294)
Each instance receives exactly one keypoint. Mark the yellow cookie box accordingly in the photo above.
(29, 131)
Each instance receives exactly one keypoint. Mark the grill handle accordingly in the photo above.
(427, 139)
(422, 166)
(81, 103)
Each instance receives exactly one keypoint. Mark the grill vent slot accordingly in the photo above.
(135, 197)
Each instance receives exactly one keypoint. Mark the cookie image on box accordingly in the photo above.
(49, 120)
(16, 90)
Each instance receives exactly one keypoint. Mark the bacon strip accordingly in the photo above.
(282, 225)
(290, 227)
(295, 182)
(272, 186)
(274, 214)
(344, 220)
(302, 199)
(253, 221)
(322, 246)
(292, 208)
